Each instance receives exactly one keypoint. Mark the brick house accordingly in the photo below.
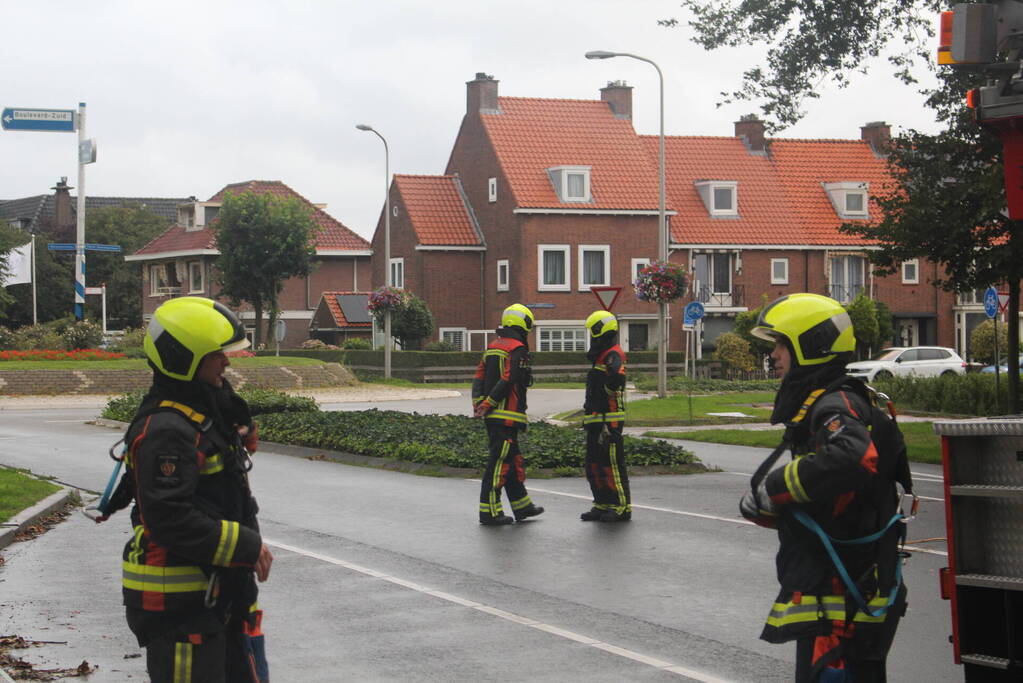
(543, 199)
(182, 260)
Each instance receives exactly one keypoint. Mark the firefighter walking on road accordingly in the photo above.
(191, 566)
(835, 505)
(604, 419)
(499, 396)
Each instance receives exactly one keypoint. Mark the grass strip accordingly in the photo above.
(922, 444)
(20, 490)
(140, 363)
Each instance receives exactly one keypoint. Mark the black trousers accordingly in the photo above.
(605, 468)
(505, 470)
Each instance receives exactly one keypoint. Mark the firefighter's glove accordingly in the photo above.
(604, 436)
(482, 408)
(249, 436)
(758, 508)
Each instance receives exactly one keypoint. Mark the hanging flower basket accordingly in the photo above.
(387, 299)
(661, 282)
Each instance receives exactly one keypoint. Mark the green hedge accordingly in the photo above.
(451, 440)
(261, 402)
(970, 394)
(707, 385)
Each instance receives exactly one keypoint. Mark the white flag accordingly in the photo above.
(19, 265)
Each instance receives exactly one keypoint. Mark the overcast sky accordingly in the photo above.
(186, 97)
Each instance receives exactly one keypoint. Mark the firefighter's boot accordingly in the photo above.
(592, 515)
(500, 520)
(528, 511)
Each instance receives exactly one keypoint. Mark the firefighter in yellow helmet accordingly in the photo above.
(191, 567)
(841, 606)
(604, 419)
(499, 396)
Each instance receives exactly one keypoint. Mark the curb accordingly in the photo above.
(32, 515)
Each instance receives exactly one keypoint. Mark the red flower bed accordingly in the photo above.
(241, 353)
(54, 354)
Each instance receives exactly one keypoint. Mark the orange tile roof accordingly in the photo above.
(333, 234)
(436, 210)
(781, 199)
(531, 135)
(338, 314)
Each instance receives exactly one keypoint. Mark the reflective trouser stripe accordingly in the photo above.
(493, 505)
(501, 414)
(597, 418)
(213, 464)
(182, 663)
(793, 484)
(140, 577)
(521, 503)
(833, 609)
(623, 505)
(136, 544)
(229, 532)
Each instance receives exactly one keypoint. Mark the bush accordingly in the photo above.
(451, 440)
(982, 342)
(702, 385)
(436, 346)
(357, 344)
(734, 351)
(261, 402)
(82, 334)
(971, 394)
(129, 342)
(6, 337)
(44, 336)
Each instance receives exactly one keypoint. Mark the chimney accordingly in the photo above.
(62, 217)
(619, 96)
(751, 130)
(481, 95)
(878, 134)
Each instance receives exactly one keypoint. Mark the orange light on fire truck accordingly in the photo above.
(945, 39)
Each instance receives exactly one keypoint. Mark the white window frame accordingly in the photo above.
(502, 283)
(559, 178)
(839, 193)
(397, 272)
(157, 275)
(460, 330)
(566, 251)
(577, 338)
(492, 190)
(780, 279)
(202, 277)
(637, 264)
(707, 188)
(915, 279)
(606, 250)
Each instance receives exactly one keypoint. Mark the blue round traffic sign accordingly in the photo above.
(694, 310)
(991, 302)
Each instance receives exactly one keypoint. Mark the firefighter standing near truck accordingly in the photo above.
(191, 566)
(499, 396)
(603, 420)
(835, 505)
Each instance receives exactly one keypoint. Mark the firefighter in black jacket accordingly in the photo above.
(841, 605)
(191, 566)
(604, 419)
(499, 396)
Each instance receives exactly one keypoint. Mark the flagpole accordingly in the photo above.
(35, 317)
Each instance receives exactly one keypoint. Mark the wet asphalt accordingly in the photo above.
(383, 576)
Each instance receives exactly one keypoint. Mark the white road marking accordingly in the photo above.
(507, 616)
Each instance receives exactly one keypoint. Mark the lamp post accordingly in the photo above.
(662, 226)
(387, 244)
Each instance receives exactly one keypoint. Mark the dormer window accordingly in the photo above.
(848, 198)
(720, 197)
(571, 183)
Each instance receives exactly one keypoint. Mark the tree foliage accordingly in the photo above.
(982, 342)
(412, 322)
(810, 42)
(10, 237)
(734, 351)
(263, 240)
(863, 313)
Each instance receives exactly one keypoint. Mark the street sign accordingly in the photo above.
(532, 306)
(47, 120)
(280, 330)
(1003, 301)
(87, 151)
(991, 302)
(694, 310)
(69, 246)
(607, 296)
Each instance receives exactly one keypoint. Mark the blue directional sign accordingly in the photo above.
(694, 310)
(991, 302)
(51, 120)
(70, 246)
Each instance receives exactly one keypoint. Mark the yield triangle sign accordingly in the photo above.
(606, 295)
(1003, 301)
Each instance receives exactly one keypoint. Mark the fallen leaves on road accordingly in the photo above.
(21, 670)
(44, 524)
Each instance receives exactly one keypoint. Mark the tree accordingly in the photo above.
(863, 313)
(982, 342)
(10, 237)
(811, 41)
(734, 351)
(263, 240)
(412, 322)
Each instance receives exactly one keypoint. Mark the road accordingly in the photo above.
(387, 576)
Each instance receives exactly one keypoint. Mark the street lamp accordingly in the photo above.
(387, 243)
(662, 227)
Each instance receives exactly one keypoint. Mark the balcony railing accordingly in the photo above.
(711, 299)
(843, 294)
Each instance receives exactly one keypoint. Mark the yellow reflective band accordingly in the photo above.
(213, 464)
(601, 367)
(521, 503)
(136, 544)
(833, 609)
(495, 481)
(499, 353)
(613, 456)
(229, 532)
(500, 414)
(793, 484)
(140, 577)
(814, 395)
(182, 663)
(192, 415)
(596, 418)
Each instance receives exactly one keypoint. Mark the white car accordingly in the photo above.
(921, 361)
